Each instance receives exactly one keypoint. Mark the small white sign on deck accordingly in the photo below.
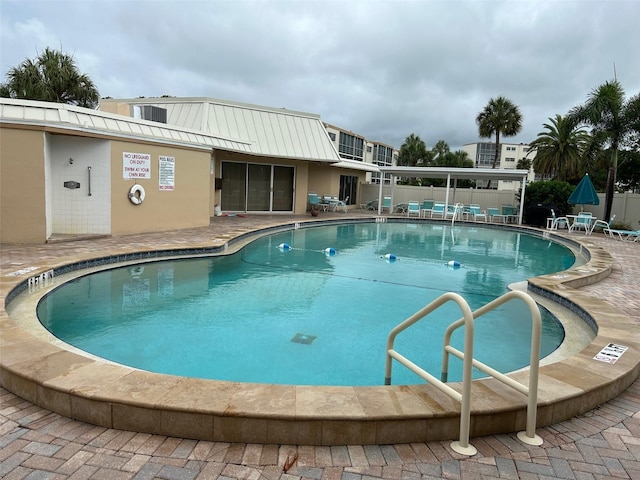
(610, 353)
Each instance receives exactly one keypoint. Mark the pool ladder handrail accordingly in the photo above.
(457, 209)
(462, 446)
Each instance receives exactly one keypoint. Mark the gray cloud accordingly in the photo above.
(383, 69)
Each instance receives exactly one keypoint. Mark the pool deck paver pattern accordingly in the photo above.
(603, 443)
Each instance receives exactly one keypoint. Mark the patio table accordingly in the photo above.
(572, 222)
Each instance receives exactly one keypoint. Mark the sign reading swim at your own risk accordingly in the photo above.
(136, 165)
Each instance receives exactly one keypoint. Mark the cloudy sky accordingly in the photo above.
(380, 68)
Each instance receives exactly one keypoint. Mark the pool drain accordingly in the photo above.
(302, 338)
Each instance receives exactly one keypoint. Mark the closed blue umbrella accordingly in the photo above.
(584, 193)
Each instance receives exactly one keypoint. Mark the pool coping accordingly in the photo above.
(115, 396)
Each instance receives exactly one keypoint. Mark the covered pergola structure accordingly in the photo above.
(453, 173)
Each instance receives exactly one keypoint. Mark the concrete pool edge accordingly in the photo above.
(118, 397)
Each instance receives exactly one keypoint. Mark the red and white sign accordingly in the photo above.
(136, 165)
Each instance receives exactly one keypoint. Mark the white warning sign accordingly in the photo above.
(136, 165)
(610, 353)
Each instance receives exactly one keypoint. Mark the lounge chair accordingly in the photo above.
(476, 213)
(413, 208)
(438, 210)
(603, 224)
(370, 205)
(624, 235)
(553, 222)
(386, 204)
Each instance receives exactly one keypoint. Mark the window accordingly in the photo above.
(332, 136)
(510, 159)
(485, 154)
(382, 155)
(511, 149)
(351, 147)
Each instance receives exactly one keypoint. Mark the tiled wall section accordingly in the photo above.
(85, 210)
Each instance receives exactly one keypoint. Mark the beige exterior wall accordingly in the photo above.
(118, 108)
(321, 180)
(22, 186)
(25, 207)
(325, 180)
(302, 177)
(185, 207)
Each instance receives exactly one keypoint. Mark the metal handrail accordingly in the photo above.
(462, 446)
(456, 208)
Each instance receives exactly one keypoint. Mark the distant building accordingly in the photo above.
(352, 146)
(483, 153)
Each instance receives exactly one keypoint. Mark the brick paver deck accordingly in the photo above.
(600, 444)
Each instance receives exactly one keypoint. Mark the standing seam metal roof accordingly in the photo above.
(278, 133)
(69, 116)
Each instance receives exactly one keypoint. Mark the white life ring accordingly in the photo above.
(136, 194)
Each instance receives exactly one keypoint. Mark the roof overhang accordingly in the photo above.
(72, 118)
(456, 173)
(354, 165)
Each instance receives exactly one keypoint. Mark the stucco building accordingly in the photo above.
(483, 153)
(67, 170)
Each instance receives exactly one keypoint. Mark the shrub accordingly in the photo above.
(554, 192)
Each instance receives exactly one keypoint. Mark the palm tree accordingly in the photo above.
(458, 159)
(500, 116)
(613, 123)
(413, 152)
(52, 77)
(559, 149)
(440, 149)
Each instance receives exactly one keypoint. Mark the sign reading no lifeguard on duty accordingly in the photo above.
(136, 165)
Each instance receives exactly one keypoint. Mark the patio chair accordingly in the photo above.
(454, 211)
(603, 224)
(342, 205)
(438, 210)
(386, 204)
(426, 207)
(493, 212)
(475, 212)
(314, 201)
(582, 222)
(510, 213)
(554, 222)
(413, 208)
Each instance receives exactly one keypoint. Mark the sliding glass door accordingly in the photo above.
(255, 187)
(234, 182)
(283, 178)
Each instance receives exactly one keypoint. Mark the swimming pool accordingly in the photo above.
(302, 316)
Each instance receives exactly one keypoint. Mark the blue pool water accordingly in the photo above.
(302, 316)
